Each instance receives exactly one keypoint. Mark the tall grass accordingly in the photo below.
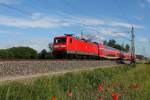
(129, 82)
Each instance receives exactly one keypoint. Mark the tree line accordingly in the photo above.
(24, 53)
(114, 44)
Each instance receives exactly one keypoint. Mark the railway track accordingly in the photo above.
(13, 69)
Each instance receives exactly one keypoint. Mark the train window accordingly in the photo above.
(60, 40)
(70, 40)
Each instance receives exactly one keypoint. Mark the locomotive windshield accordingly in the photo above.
(60, 40)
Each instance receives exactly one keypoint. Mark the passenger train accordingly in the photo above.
(68, 46)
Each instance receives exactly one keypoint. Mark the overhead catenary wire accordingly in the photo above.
(118, 36)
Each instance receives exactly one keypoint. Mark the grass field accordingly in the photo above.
(122, 82)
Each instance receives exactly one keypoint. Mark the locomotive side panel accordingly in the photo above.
(76, 46)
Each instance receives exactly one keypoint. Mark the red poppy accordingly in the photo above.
(135, 86)
(54, 98)
(100, 88)
(69, 94)
(115, 95)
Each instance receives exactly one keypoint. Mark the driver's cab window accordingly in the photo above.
(60, 40)
(70, 40)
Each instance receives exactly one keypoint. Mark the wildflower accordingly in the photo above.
(54, 98)
(69, 94)
(135, 86)
(100, 88)
(115, 95)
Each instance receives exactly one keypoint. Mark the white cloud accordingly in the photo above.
(89, 21)
(126, 25)
(107, 31)
(138, 17)
(38, 20)
(37, 44)
(93, 37)
(100, 28)
(103, 22)
(112, 32)
(143, 39)
(43, 22)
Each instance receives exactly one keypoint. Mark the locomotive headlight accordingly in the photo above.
(59, 46)
(56, 46)
(63, 46)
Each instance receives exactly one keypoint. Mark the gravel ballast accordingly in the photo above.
(10, 69)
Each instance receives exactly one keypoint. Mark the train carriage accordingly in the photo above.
(108, 52)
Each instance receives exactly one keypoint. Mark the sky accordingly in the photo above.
(35, 23)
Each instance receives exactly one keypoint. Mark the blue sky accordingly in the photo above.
(34, 23)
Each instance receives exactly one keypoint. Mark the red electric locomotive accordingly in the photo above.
(68, 46)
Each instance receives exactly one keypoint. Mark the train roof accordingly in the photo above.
(111, 48)
(71, 35)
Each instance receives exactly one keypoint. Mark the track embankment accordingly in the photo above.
(10, 70)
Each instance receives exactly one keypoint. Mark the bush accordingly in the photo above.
(18, 53)
(148, 62)
(5, 54)
(45, 55)
(23, 52)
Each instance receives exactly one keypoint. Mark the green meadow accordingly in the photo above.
(122, 82)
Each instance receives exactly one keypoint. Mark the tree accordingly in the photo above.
(127, 48)
(114, 44)
(43, 54)
(50, 47)
(105, 42)
(4, 54)
(23, 52)
(18, 53)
